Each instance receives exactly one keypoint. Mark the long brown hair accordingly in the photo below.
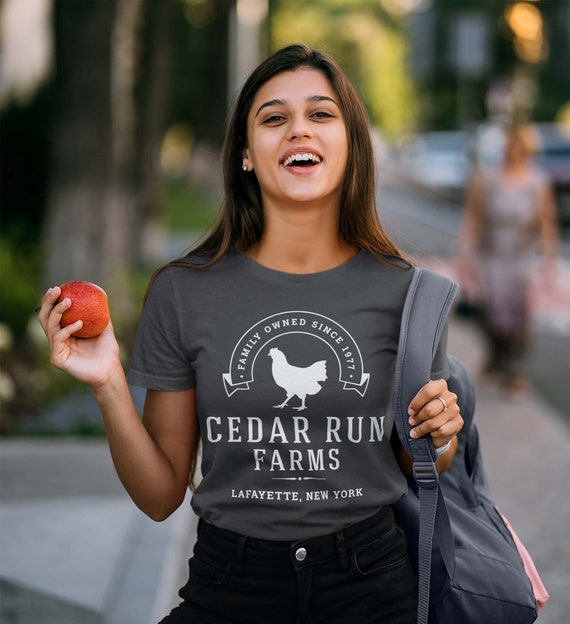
(240, 221)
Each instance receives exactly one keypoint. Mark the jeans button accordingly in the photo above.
(301, 554)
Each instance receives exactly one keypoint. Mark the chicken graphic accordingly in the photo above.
(296, 381)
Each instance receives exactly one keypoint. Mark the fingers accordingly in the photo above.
(440, 428)
(91, 361)
(434, 411)
(427, 393)
(50, 315)
(49, 302)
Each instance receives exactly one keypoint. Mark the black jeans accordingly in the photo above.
(360, 575)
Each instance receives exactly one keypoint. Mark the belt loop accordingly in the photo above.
(341, 550)
(239, 554)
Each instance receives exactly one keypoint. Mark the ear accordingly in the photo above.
(246, 161)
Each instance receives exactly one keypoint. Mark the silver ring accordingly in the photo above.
(443, 403)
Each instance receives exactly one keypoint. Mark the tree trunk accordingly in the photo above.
(81, 158)
(112, 85)
(154, 92)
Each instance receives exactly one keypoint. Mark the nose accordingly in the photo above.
(299, 128)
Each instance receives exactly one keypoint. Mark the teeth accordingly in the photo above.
(302, 157)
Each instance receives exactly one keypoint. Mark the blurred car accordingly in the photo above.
(438, 161)
(554, 158)
(487, 147)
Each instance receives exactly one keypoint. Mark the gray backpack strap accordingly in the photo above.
(429, 300)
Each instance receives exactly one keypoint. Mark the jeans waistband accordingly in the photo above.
(300, 552)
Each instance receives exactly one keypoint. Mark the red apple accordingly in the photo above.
(88, 304)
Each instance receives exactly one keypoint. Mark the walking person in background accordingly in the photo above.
(273, 343)
(508, 213)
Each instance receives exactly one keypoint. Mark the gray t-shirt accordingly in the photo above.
(294, 378)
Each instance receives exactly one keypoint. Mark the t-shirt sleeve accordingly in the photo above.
(160, 360)
(440, 365)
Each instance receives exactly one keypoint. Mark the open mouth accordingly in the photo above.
(302, 160)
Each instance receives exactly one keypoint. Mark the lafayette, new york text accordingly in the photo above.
(287, 496)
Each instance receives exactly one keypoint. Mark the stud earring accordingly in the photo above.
(244, 167)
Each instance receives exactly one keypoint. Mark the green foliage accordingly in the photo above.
(187, 207)
(37, 386)
(19, 286)
(369, 44)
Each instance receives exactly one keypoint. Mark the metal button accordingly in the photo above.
(301, 554)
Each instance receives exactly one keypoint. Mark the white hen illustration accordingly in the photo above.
(296, 381)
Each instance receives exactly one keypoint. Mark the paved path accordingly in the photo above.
(73, 547)
(526, 449)
(75, 550)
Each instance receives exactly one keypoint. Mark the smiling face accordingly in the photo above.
(297, 143)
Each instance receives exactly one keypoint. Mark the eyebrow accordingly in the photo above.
(310, 99)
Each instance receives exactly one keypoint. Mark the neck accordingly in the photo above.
(301, 243)
(516, 165)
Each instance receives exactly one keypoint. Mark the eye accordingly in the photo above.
(273, 119)
(322, 115)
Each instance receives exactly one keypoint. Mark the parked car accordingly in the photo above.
(554, 158)
(438, 161)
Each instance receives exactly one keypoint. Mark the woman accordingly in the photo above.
(508, 212)
(274, 344)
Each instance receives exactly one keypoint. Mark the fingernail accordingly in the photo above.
(412, 422)
(411, 412)
(413, 433)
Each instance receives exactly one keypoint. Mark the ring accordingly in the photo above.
(443, 403)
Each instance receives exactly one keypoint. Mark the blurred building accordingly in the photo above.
(486, 58)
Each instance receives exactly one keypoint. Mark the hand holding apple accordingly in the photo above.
(88, 304)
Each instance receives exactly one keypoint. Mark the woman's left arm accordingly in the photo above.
(434, 411)
(548, 227)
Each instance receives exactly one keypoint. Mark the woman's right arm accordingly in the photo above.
(152, 456)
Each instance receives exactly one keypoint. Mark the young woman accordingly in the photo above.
(508, 212)
(274, 343)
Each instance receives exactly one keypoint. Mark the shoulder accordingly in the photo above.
(384, 263)
(188, 280)
(385, 274)
(386, 266)
(196, 267)
(488, 178)
(539, 176)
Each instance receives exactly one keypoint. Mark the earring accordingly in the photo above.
(244, 167)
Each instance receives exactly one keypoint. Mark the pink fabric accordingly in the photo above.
(541, 595)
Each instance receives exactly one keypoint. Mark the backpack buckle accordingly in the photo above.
(425, 474)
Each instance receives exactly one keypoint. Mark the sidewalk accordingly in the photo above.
(75, 550)
(73, 547)
(526, 449)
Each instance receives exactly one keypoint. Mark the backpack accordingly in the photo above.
(469, 567)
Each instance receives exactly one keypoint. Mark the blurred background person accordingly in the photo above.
(509, 212)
